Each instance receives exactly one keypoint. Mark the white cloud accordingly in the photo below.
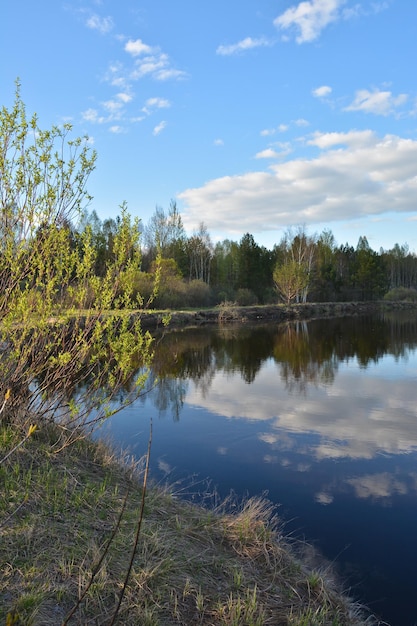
(169, 73)
(267, 132)
(283, 128)
(377, 102)
(218, 142)
(159, 128)
(309, 18)
(137, 119)
(113, 106)
(116, 76)
(245, 44)
(117, 130)
(157, 66)
(146, 61)
(355, 174)
(322, 92)
(92, 115)
(113, 113)
(102, 24)
(124, 97)
(149, 65)
(269, 153)
(155, 103)
(352, 139)
(301, 122)
(137, 47)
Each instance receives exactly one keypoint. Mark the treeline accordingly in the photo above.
(302, 267)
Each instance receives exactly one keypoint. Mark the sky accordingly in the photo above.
(255, 116)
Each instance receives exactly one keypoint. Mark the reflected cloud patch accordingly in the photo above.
(381, 415)
(164, 467)
(270, 458)
(378, 486)
(324, 498)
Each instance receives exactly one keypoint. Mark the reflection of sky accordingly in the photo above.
(364, 412)
(390, 367)
(337, 457)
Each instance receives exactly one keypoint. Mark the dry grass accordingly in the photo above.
(194, 566)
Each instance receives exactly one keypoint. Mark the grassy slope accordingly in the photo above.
(193, 565)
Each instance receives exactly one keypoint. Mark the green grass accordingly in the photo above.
(58, 512)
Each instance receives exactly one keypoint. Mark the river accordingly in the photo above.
(320, 416)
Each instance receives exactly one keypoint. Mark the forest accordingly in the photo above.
(301, 267)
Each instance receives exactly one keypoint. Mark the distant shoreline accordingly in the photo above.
(231, 313)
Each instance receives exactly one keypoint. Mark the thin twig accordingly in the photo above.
(96, 569)
(17, 509)
(136, 542)
(30, 432)
(6, 397)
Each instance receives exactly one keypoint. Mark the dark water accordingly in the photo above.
(321, 416)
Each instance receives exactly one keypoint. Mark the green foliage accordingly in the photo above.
(246, 297)
(401, 293)
(369, 272)
(198, 293)
(52, 350)
(165, 235)
(290, 279)
(254, 267)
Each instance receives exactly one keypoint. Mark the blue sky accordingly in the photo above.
(254, 115)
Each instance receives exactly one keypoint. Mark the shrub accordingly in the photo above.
(171, 294)
(143, 286)
(246, 297)
(198, 293)
(402, 293)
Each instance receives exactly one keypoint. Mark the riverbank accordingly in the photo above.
(68, 522)
(229, 313)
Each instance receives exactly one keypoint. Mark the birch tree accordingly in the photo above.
(298, 255)
(200, 254)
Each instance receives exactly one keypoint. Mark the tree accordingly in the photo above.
(297, 250)
(290, 280)
(369, 272)
(58, 361)
(200, 254)
(102, 234)
(326, 282)
(401, 267)
(165, 235)
(255, 270)
(225, 268)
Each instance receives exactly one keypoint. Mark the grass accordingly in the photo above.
(67, 525)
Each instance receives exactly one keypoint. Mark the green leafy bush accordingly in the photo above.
(401, 293)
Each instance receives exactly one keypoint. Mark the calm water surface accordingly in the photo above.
(321, 416)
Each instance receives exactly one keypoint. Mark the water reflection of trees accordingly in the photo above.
(307, 353)
(168, 394)
(243, 350)
(186, 355)
(304, 358)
